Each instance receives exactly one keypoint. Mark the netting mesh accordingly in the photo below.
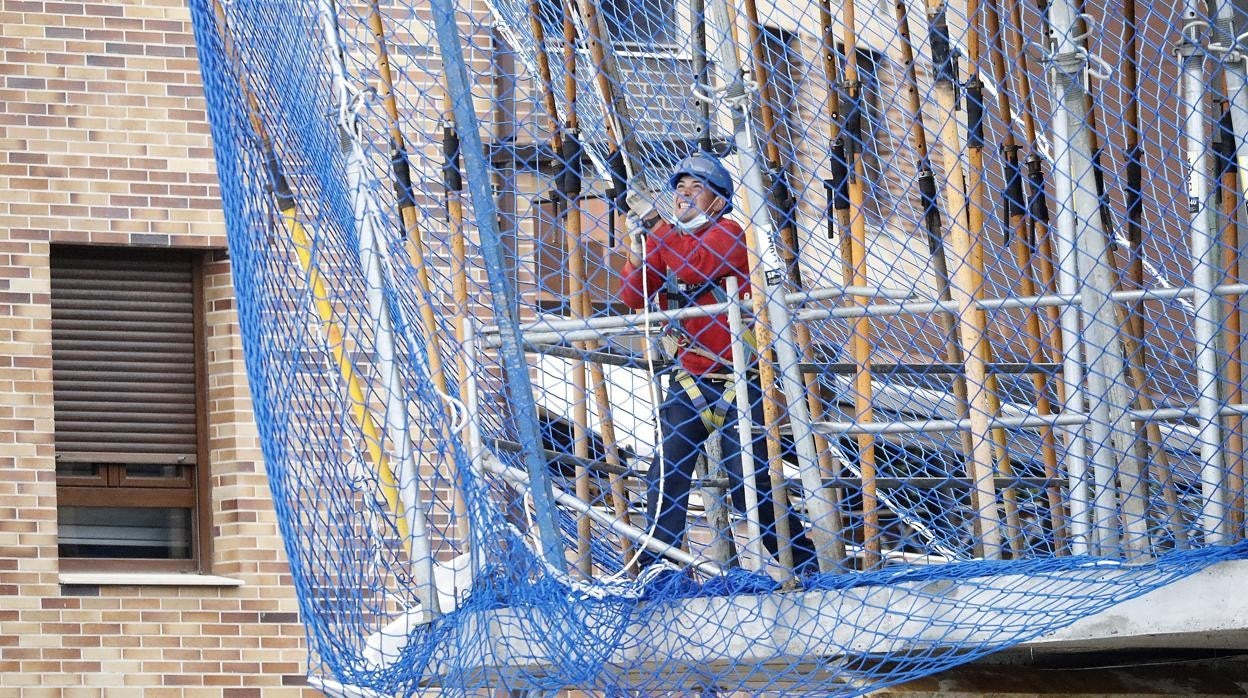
(523, 433)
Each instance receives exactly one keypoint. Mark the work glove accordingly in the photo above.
(635, 245)
(642, 211)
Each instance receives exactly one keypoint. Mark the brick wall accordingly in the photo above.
(105, 142)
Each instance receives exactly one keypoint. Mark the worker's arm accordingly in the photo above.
(637, 276)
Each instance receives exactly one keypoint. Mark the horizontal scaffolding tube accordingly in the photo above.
(921, 426)
(838, 292)
(940, 483)
(798, 297)
(918, 426)
(880, 369)
(557, 331)
(1169, 414)
(922, 483)
(1015, 303)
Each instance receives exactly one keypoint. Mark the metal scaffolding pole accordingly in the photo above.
(1203, 248)
(456, 74)
(818, 504)
(1083, 258)
(745, 428)
(373, 258)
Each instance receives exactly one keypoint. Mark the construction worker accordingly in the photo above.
(684, 262)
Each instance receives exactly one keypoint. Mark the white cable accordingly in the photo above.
(459, 412)
(661, 459)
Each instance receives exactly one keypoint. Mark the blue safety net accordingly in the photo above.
(961, 365)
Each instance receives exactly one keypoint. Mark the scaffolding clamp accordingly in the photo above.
(1193, 38)
(944, 55)
(1081, 65)
(974, 113)
(1227, 46)
(851, 115)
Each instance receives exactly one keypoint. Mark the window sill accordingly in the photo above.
(147, 579)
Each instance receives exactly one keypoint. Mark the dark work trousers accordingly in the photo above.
(684, 436)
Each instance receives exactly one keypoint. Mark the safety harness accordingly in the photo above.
(682, 295)
(713, 415)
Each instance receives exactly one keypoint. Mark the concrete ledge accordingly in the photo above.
(333, 689)
(146, 579)
(1208, 609)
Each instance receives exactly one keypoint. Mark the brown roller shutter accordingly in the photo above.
(123, 355)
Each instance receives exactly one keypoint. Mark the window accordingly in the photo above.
(602, 265)
(128, 387)
(642, 25)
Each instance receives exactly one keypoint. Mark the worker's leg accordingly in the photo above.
(671, 471)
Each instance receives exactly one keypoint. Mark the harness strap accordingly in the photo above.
(678, 290)
(713, 416)
(683, 343)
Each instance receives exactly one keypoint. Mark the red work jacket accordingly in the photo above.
(708, 254)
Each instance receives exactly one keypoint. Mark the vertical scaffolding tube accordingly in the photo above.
(745, 426)
(977, 208)
(563, 140)
(854, 245)
(453, 182)
(925, 177)
(1072, 356)
(372, 256)
(617, 116)
(403, 190)
(466, 329)
(398, 422)
(568, 183)
(1232, 372)
(837, 209)
(818, 505)
(773, 406)
(965, 287)
(1015, 214)
(1203, 243)
(415, 244)
(782, 201)
(1236, 75)
(1083, 251)
(1149, 444)
(1040, 242)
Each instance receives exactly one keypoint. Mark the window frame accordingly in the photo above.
(550, 258)
(680, 49)
(190, 490)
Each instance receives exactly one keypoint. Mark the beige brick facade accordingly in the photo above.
(105, 142)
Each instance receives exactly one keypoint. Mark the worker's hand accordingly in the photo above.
(633, 246)
(641, 208)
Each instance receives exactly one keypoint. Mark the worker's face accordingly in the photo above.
(694, 197)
